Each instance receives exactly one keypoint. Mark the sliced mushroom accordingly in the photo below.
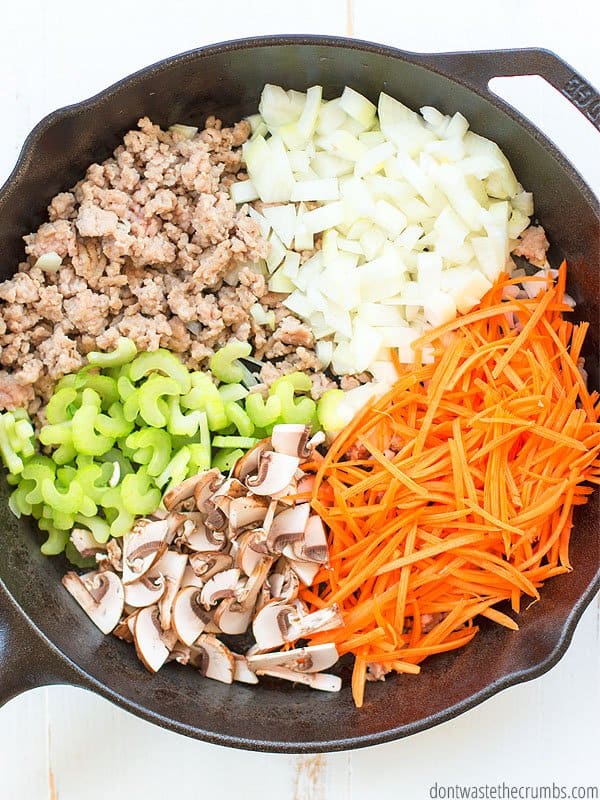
(248, 463)
(264, 597)
(100, 595)
(220, 586)
(325, 619)
(208, 484)
(152, 644)
(313, 545)
(246, 512)
(302, 659)
(291, 440)
(216, 518)
(124, 630)
(246, 596)
(241, 672)
(306, 484)
(287, 496)
(322, 681)
(231, 488)
(189, 618)
(171, 566)
(183, 491)
(191, 579)
(284, 583)
(146, 591)
(205, 565)
(212, 659)
(305, 570)
(85, 544)
(180, 653)
(233, 618)
(142, 547)
(193, 533)
(271, 625)
(288, 526)
(252, 547)
(275, 472)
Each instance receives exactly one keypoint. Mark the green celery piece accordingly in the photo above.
(68, 501)
(85, 439)
(175, 471)
(58, 408)
(222, 363)
(180, 424)
(122, 520)
(115, 455)
(300, 382)
(140, 495)
(150, 393)
(230, 392)
(114, 423)
(56, 540)
(263, 414)
(153, 445)
(225, 460)
(301, 411)
(99, 527)
(124, 352)
(164, 362)
(102, 385)
(240, 418)
(38, 469)
(204, 396)
(11, 459)
(18, 502)
(235, 442)
(75, 557)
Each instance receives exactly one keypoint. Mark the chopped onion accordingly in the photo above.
(49, 262)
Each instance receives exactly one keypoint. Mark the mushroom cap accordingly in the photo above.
(183, 491)
(291, 440)
(288, 526)
(189, 618)
(322, 681)
(100, 595)
(246, 596)
(275, 472)
(231, 488)
(220, 586)
(302, 659)
(85, 544)
(152, 644)
(245, 512)
(325, 619)
(248, 463)
(190, 578)
(271, 625)
(143, 546)
(171, 566)
(205, 565)
(241, 671)
(208, 484)
(231, 617)
(212, 658)
(146, 591)
(284, 584)
(251, 550)
(305, 570)
(313, 545)
(124, 630)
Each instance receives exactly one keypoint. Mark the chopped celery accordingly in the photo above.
(225, 460)
(161, 361)
(139, 494)
(245, 442)
(154, 443)
(124, 352)
(222, 363)
(156, 387)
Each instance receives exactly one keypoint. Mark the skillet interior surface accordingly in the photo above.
(226, 80)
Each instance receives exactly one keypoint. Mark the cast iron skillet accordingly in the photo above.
(46, 639)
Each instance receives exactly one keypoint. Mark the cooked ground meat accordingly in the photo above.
(533, 245)
(146, 240)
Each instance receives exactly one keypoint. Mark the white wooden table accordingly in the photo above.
(68, 744)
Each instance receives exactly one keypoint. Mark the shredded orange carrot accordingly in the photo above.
(463, 492)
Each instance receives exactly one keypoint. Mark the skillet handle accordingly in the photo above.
(476, 69)
(26, 660)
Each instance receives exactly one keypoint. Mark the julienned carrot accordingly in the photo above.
(462, 485)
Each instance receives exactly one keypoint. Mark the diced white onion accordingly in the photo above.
(49, 262)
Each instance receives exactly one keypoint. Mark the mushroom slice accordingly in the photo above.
(305, 570)
(322, 681)
(146, 591)
(220, 586)
(201, 539)
(216, 518)
(291, 440)
(248, 463)
(231, 488)
(189, 617)
(212, 659)
(306, 484)
(251, 551)
(143, 546)
(246, 596)
(271, 625)
(246, 512)
(241, 671)
(313, 546)
(288, 526)
(124, 630)
(100, 594)
(205, 565)
(287, 496)
(171, 566)
(191, 579)
(208, 484)
(264, 597)
(183, 491)
(303, 659)
(232, 617)
(303, 625)
(275, 473)
(85, 544)
(152, 644)
(180, 653)
(284, 584)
